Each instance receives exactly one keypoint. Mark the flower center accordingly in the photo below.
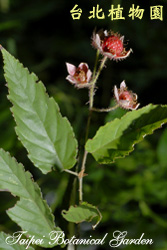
(126, 96)
(113, 44)
(80, 76)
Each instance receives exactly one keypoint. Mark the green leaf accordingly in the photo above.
(47, 136)
(31, 212)
(83, 212)
(5, 246)
(116, 139)
(116, 113)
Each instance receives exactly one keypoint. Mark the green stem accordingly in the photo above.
(105, 110)
(91, 101)
(92, 91)
(81, 177)
(71, 172)
(93, 82)
(88, 125)
(96, 62)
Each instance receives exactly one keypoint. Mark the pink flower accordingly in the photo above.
(125, 98)
(79, 76)
(110, 44)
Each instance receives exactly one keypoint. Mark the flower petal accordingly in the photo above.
(71, 79)
(83, 65)
(116, 93)
(96, 41)
(123, 85)
(137, 105)
(122, 38)
(106, 33)
(109, 55)
(71, 68)
(89, 74)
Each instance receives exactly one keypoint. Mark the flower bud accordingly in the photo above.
(126, 99)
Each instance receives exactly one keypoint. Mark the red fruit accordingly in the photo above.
(113, 44)
(110, 44)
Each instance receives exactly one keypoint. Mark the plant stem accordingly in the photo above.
(96, 62)
(71, 172)
(94, 80)
(91, 101)
(80, 177)
(88, 125)
(105, 110)
(91, 91)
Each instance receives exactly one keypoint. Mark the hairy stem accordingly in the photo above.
(105, 110)
(96, 62)
(94, 80)
(81, 175)
(88, 125)
(91, 101)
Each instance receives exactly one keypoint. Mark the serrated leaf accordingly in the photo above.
(5, 246)
(83, 212)
(116, 139)
(47, 136)
(31, 212)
